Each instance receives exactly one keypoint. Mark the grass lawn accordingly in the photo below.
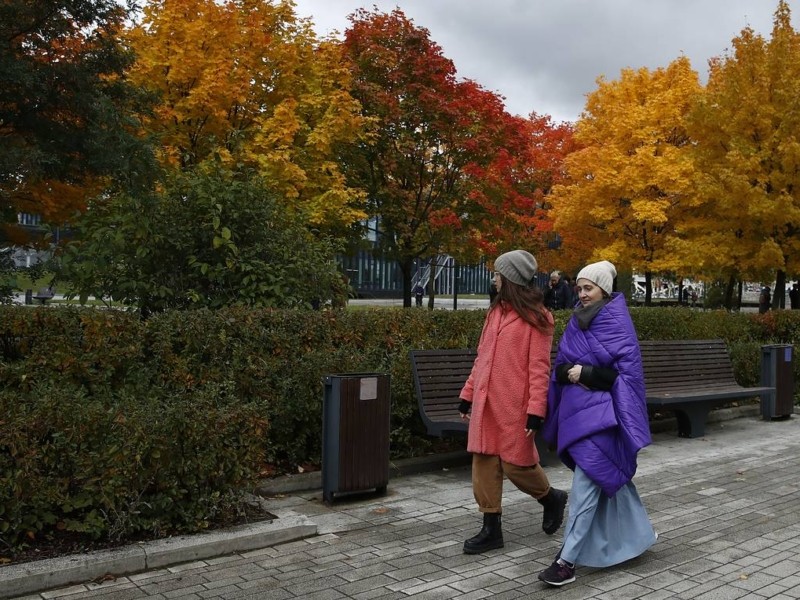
(22, 282)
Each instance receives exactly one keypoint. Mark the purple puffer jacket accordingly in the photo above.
(601, 431)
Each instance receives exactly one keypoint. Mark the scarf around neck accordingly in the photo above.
(585, 314)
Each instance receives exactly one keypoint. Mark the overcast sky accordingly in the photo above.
(544, 56)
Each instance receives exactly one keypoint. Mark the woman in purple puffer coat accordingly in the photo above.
(597, 418)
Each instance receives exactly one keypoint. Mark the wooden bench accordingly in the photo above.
(439, 376)
(689, 377)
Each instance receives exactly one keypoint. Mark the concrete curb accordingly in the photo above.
(26, 578)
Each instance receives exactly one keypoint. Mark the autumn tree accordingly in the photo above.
(249, 83)
(510, 205)
(746, 125)
(630, 184)
(444, 151)
(68, 117)
(502, 187)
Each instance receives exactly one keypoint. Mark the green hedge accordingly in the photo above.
(112, 426)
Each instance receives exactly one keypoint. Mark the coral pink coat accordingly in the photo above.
(509, 381)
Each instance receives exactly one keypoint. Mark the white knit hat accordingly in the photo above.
(518, 266)
(600, 273)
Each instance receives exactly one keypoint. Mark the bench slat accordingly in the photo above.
(439, 376)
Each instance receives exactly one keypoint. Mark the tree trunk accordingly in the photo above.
(406, 266)
(779, 297)
(740, 293)
(432, 282)
(648, 288)
(729, 292)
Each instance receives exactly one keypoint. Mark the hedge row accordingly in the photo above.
(112, 426)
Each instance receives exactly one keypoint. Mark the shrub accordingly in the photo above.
(110, 425)
(206, 238)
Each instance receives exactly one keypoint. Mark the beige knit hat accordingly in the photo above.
(518, 266)
(600, 273)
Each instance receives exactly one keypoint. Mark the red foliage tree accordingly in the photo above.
(448, 169)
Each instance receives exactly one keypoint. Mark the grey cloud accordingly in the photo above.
(546, 55)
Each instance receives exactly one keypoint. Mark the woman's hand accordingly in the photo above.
(533, 424)
(574, 374)
(464, 408)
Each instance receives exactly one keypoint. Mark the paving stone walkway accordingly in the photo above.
(727, 509)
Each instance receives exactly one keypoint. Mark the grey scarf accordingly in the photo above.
(585, 314)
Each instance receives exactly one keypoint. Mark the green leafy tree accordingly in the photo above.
(7, 272)
(68, 118)
(211, 238)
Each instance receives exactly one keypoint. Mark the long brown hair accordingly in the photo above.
(527, 300)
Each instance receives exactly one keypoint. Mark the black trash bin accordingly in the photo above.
(355, 433)
(777, 371)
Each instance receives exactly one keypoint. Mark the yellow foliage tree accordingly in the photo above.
(248, 83)
(629, 184)
(747, 125)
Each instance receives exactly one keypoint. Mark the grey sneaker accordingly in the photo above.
(559, 573)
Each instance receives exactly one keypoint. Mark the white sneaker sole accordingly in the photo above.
(560, 583)
(557, 583)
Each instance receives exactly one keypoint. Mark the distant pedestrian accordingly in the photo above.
(558, 295)
(419, 292)
(570, 294)
(764, 299)
(794, 296)
(505, 400)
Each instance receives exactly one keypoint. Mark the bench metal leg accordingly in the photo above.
(691, 421)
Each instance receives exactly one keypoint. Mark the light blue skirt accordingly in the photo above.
(603, 531)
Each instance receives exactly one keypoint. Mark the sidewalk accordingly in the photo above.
(727, 509)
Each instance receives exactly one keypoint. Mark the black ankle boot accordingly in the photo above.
(489, 537)
(554, 504)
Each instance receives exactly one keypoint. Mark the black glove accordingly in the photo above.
(534, 423)
(464, 407)
(562, 372)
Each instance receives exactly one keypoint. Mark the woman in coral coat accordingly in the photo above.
(505, 399)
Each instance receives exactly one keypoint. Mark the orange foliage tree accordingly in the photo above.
(748, 225)
(630, 185)
(246, 82)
